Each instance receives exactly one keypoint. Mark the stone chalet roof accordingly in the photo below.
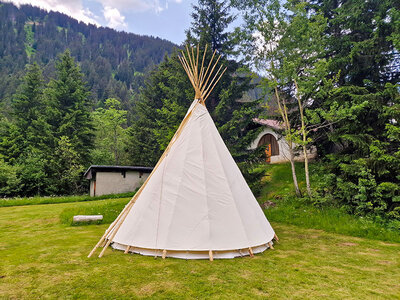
(274, 124)
(98, 168)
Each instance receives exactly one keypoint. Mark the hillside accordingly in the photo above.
(113, 62)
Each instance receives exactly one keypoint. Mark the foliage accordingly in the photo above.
(319, 213)
(70, 115)
(160, 109)
(48, 136)
(9, 181)
(344, 58)
(210, 19)
(67, 176)
(32, 173)
(111, 135)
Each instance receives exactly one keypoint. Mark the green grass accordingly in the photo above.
(290, 210)
(109, 209)
(58, 199)
(42, 258)
(332, 220)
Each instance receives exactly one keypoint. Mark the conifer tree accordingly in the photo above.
(210, 20)
(69, 100)
(32, 130)
(233, 117)
(160, 109)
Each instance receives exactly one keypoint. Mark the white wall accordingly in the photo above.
(283, 148)
(115, 183)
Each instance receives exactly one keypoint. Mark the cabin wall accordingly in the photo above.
(114, 182)
(283, 148)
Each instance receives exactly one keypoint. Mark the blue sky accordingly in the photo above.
(167, 19)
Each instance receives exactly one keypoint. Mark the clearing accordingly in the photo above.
(40, 257)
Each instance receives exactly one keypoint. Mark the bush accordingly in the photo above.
(359, 187)
(9, 181)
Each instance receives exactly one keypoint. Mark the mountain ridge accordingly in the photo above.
(113, 62)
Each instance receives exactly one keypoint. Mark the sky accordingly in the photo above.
(166, 19)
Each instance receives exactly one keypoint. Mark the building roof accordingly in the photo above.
(274, 124)
(98, 168)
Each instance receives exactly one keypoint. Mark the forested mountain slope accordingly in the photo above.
(113, 62)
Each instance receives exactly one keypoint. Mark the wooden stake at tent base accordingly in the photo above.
(127, 249)
(270, 245)
(210, 254)
(251, 252)
(276, 237)
(164, 254)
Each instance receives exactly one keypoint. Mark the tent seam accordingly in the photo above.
(229, 186)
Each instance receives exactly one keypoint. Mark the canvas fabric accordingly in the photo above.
(196, 200)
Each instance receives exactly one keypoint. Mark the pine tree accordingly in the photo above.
(69, 99)
(160, 109)
(210, 20)
(233, 117)
(29, 114)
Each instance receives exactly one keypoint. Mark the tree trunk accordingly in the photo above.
(304, 134)
(284, 113)
(115, 146)
(307, 172)
(296, 184)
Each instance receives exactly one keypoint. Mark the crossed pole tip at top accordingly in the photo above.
(200, 77)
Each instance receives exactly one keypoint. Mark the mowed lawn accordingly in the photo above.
(41, 258)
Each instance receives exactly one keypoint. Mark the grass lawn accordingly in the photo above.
(278, 188)
(42, 258)
(58, 199)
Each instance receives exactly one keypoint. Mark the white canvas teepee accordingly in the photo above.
(196, 203)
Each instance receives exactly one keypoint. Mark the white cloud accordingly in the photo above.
(114, 18)
(138, 5)
(73, 8)
(127, 5)
(111, 9)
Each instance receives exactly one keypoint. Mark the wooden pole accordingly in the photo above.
(251, 252)
(208, 94)
(187, 69)
(211, 82)
(209, 65)
(270, 245)
(164, 254)
(210, 254)
(202, 67)
(127, 249)
(209, 75)
(276, 237)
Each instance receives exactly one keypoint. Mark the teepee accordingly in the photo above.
(196, 203)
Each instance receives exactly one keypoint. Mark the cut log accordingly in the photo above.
(82, 218)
